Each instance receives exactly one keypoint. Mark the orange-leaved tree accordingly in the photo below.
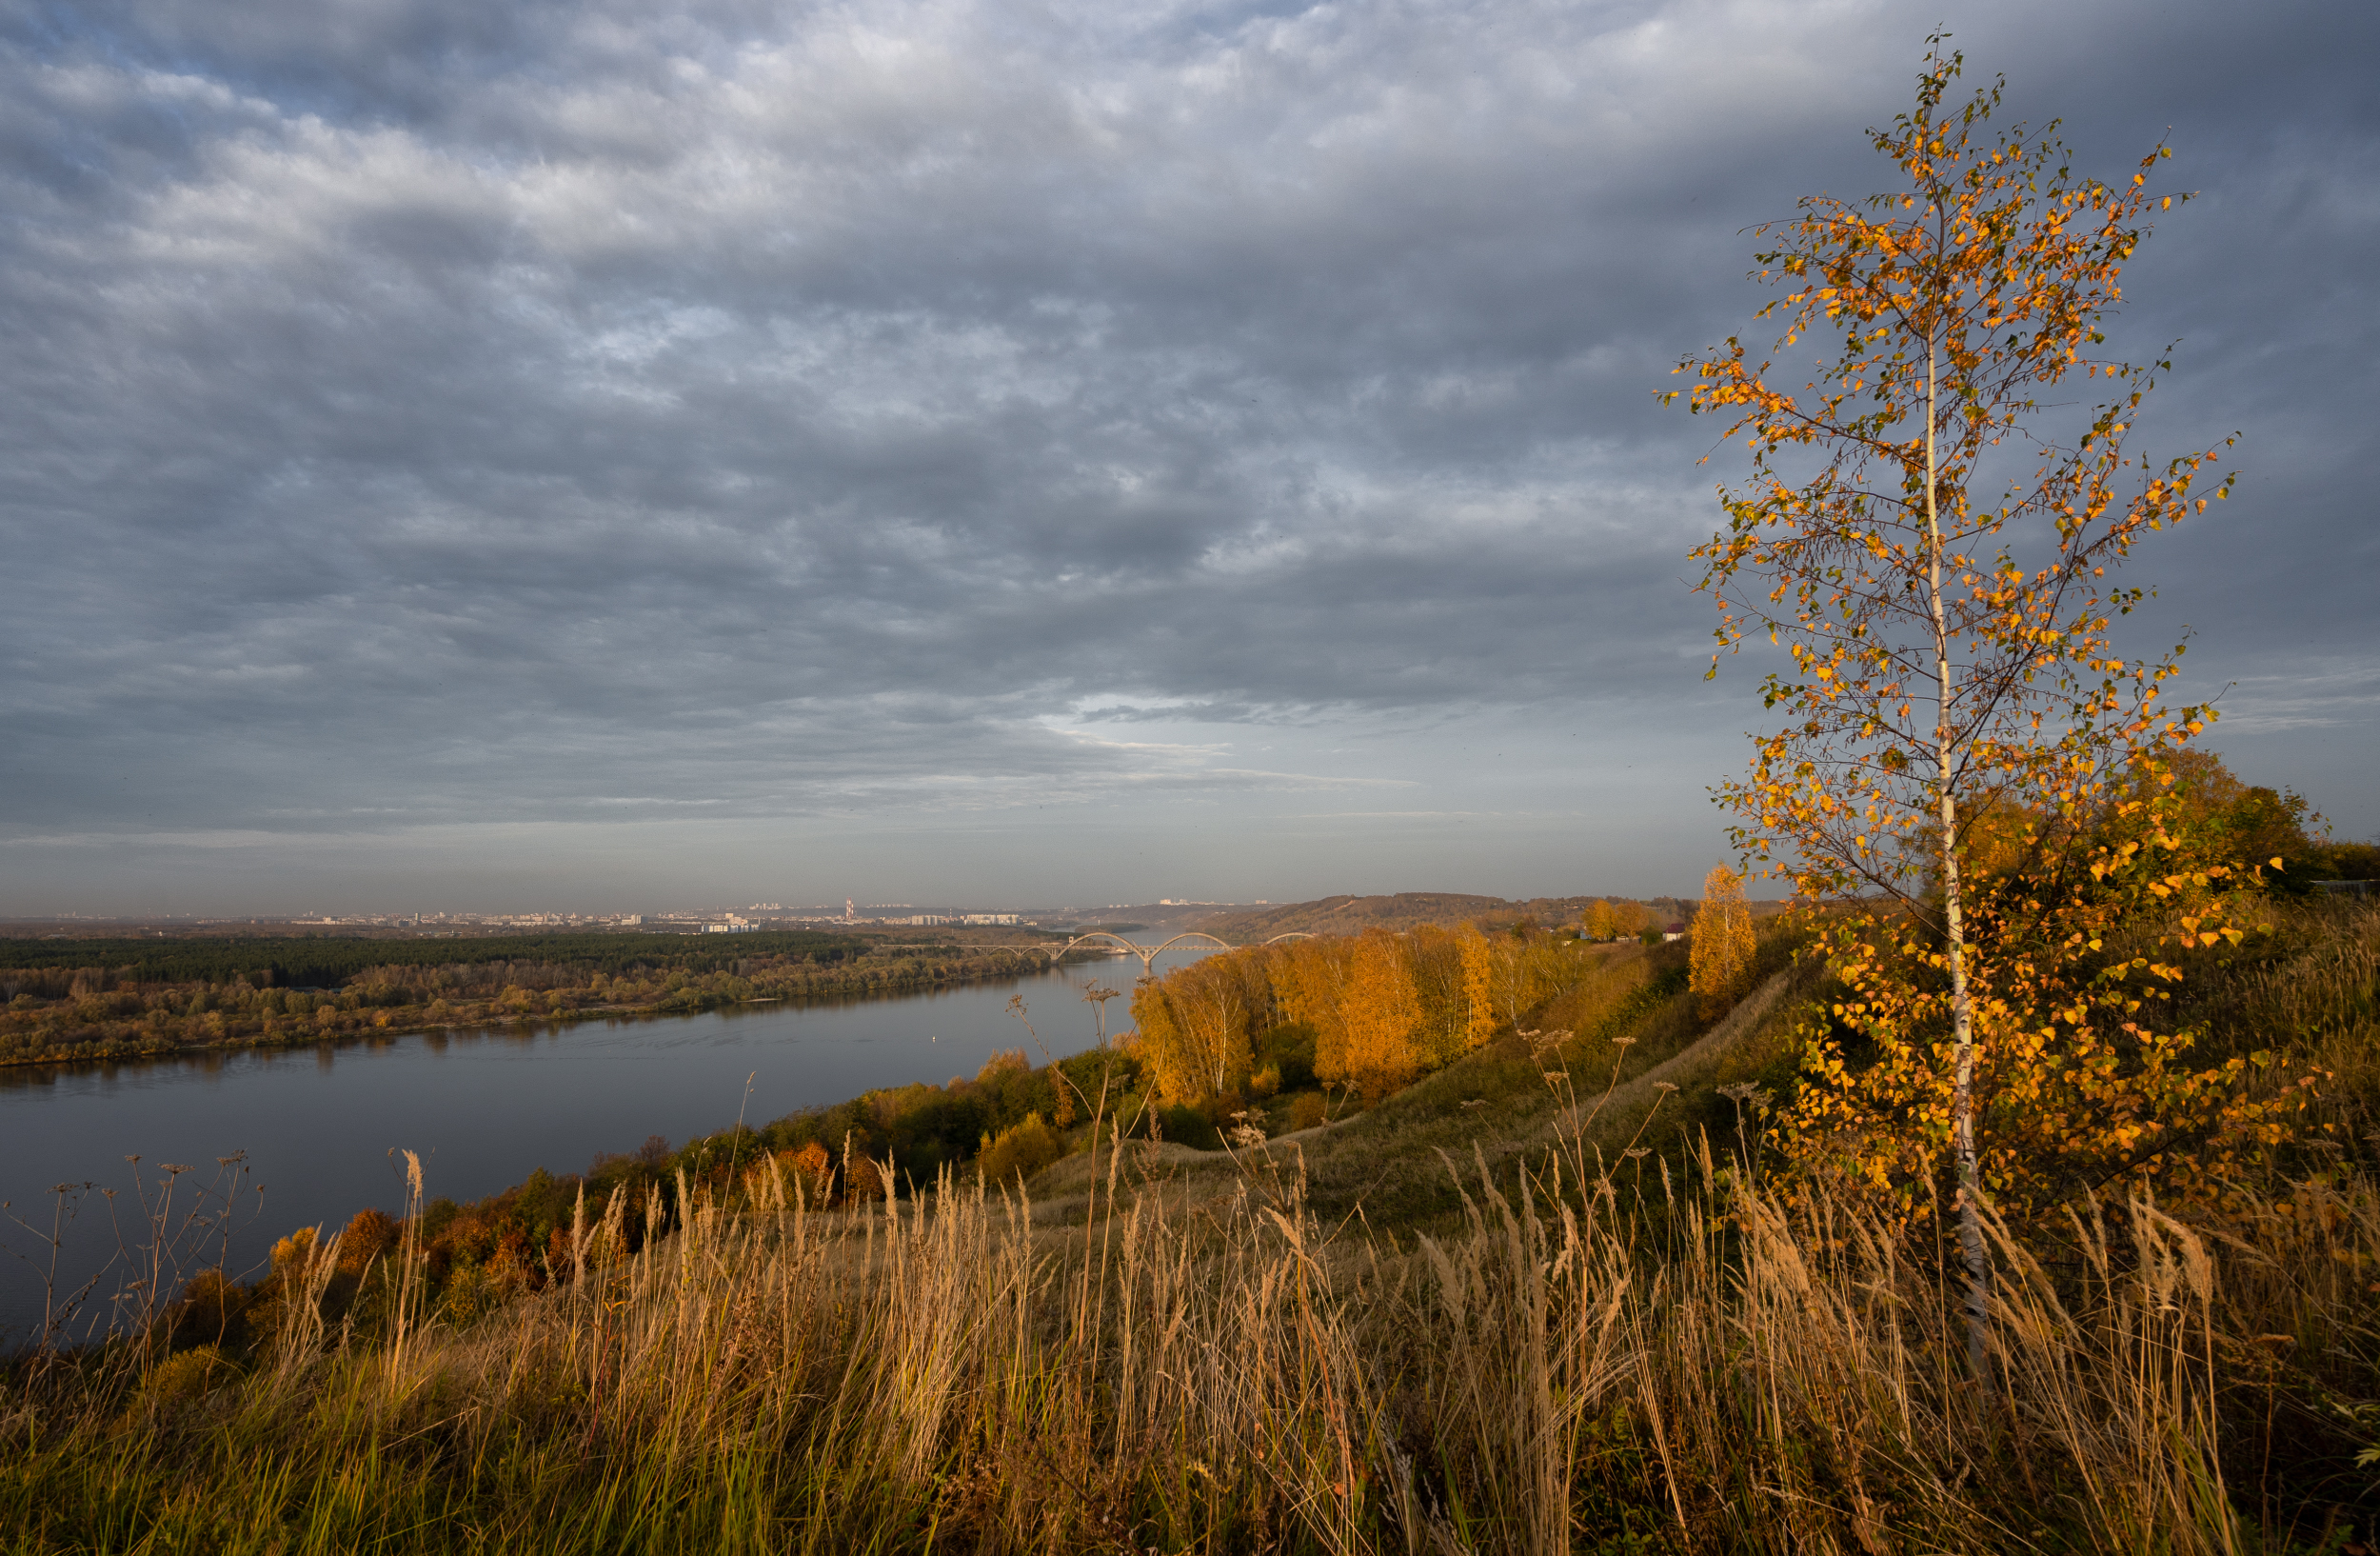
(1937, 682)
(1599, 922)
(1721, 959)
(1194, 1023)
(1380, 1022)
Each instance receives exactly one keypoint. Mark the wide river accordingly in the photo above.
(482, 1108)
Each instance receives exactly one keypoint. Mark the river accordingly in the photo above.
(319, 1125)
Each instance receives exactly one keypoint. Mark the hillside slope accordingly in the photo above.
(1657, 1086)
(1348, 915)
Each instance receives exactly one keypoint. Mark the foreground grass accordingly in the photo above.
(1205, 1357)
(953, 1378)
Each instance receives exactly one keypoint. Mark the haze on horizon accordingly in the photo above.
(583, 456)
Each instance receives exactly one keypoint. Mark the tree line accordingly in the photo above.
(320, 961)
(1378, 1009)
(67, 1012)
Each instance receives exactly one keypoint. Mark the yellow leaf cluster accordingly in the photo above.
(1720, 965)
(1385, 1007)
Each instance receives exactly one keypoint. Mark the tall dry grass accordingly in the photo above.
(942, 1373)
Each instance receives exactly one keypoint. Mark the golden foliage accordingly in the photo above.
(1386, 1007)
(813, 1169)
(1310, 982)
(1510, 972)
(1020, 1150)
(1946, 705)
(1381, 1018)
(1720, 964)
(1608, 920)
(1197, 1023)
(1478, 982)
(293, 1256)
(1446, 1027)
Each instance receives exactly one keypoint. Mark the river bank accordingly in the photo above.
(68, 1015)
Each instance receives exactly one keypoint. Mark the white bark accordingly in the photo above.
(1969, 1201)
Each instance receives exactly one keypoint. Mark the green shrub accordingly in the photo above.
(1188, 1125)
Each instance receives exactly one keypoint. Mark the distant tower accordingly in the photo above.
(851, 910)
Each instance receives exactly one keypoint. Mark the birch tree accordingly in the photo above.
(1929, 532)
(1719, 964)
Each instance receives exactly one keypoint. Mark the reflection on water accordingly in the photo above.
(484, 1109)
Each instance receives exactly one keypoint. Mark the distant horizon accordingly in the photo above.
(810, 913)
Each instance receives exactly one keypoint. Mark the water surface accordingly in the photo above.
(482, 1109)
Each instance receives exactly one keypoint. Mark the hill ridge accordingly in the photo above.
(1347, 914)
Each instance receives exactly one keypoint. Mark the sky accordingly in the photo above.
(470, 455)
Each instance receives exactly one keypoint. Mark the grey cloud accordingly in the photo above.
(420, 414)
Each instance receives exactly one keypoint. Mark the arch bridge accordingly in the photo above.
(1148, 954)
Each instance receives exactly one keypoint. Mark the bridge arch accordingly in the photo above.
(1148, 954)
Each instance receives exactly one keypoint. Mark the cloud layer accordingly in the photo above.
(847, 424)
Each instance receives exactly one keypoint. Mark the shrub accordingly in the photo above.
(1188, 1125)
(192, 1374)
(1020, 1150)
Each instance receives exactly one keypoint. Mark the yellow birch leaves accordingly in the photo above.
(1720, 966)
(1927, 533)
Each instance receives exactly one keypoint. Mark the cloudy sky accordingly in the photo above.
(466, 455)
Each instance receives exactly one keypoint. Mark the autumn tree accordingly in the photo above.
(812, 1170)
(1446, 1027)
(1478, 982)
(1509, 972)
(1721, 954)
(1377, 1052)
(1310, 982)
(1932, 676)
(1195, 1025)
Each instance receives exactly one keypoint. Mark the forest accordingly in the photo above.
(69, 1000)
(321, 960)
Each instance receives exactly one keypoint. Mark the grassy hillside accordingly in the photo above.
(1542, 1301)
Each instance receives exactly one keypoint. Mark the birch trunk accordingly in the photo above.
(1968, 1199)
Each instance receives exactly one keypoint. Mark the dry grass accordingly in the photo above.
(943, 1374)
